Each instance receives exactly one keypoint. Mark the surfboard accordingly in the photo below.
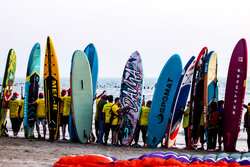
(72, 129)
(163, 100)
(7, 86)
(183, 88)
(31, 90)
(82, 95)
(234, 95)
(210, 87)
(196, 99)
(52, 90)
(131, 95)
(91, 53)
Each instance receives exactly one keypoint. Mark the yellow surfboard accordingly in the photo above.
(51, 89)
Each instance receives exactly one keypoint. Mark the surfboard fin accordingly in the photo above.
(82, 83)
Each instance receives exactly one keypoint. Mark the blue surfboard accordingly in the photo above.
(31, 90)
(91, 53)
(163, 99)
(72, 129)
(180, 101)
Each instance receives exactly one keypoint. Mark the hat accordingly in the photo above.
(64, 92)
(40, 95)
(105, 94)
(16, 94)
(149, 102)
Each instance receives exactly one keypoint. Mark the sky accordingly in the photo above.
(156, 28)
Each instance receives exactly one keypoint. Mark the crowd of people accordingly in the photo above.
(108, 117)
(16, 113)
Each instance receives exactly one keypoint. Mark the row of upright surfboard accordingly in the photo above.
(171, 93)
(200, 76)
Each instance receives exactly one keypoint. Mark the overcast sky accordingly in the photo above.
(156, 28)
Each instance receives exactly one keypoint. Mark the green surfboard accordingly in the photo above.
(82, 95)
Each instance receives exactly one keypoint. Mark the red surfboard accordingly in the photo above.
(235, 94)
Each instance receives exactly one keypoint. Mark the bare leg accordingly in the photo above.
(38, 130)
(44, 130)
(63, 131)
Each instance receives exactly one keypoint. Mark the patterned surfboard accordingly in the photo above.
(180, 102)
(131, 95)
(7, 86)
(196, 99)
(31, 90)
(51, 84)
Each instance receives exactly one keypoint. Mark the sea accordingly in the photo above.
(112, 86)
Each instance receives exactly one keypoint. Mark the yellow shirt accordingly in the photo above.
(96, 102)
(40, 110)
(66, 105)
(116, 120)
(186, 118)
(144, 116)
(13, 104)
(106, 110)
(21, 104)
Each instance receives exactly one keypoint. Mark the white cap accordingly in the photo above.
(105, 94)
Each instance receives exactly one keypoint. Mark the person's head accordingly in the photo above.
(118, 101)
(149, 103)
(221, 103)
(105, 95)
(249, 104)
(214, 105)
(69, 92)
(63, 93)
(188, 103)
(110, 98)
(15, 95)
(41, 95)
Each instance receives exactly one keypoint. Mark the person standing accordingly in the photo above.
(213, 121)
(97, 99)
(107, 113)
(142, 125)
(186, 122)
(220, 124)
(115, 123)
(202, 128)
(63, 93)
(13, 106)
(21, 111)
(247, 124)
(66, 102)
(40, 115)
(100, 117)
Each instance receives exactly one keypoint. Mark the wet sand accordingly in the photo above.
(22, 152)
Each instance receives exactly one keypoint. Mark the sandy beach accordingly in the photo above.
(22, 152)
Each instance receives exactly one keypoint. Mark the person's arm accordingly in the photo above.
(100, 95)
(33, 103)
(19, 110)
